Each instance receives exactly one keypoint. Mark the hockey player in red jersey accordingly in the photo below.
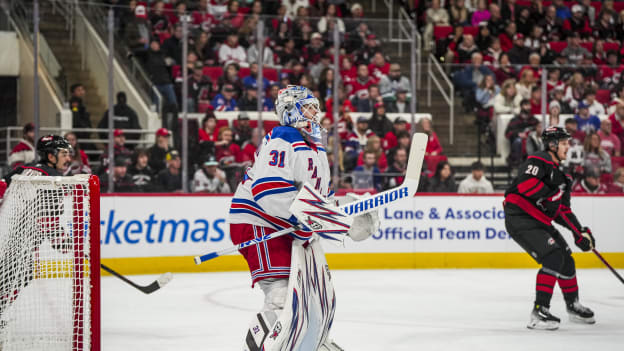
(289, 156)
(539, 195)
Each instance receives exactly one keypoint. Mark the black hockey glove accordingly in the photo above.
(585, 241)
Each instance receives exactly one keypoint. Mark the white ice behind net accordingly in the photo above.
(44, 266)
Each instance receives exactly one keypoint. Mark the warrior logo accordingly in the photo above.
(276, 330)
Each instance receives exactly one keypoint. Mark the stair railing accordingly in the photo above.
(447, 91)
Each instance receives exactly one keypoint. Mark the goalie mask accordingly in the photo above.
(297, 107)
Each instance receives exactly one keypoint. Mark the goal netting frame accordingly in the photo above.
(50, 264)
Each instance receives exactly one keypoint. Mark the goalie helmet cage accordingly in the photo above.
(50, 264)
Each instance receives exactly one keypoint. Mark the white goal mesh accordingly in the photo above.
(46, 278)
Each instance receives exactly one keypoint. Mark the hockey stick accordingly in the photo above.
(608, 265)
(148, 289)
(361, 206)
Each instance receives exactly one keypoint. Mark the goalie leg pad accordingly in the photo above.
(330, 345)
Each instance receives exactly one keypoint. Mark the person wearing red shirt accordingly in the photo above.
(208, 130)
(24, 151)
(373, 144)
(434, 148)
(379, 66)
(359, 87)
(390, 139)
(590, 184)
(227, 152)
(577, 23)
(251, 146)
(348, 72)
(609, 142)
(617, 187)
(536, 100)
(617, 122)
(344, 104)
(506, 38)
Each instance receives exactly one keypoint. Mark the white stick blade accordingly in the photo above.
(416, 158)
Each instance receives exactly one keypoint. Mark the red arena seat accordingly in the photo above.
(588, 45)
(603, 96)
(558, 46)
(270, 74)
(611, 46)
(213, 72)
(243, 72)
(472, 31)
(442, 32)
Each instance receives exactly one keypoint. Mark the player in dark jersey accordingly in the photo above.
(539, 195)
(54, 154)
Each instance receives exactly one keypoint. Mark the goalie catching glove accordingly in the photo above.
(585, 241)
(365, 224)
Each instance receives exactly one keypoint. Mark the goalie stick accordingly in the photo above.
(148, 289)
(358, 207)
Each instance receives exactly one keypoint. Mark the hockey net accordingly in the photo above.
(49, 264)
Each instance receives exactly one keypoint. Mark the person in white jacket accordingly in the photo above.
(507, 101)
(232, 51)
(475, 182)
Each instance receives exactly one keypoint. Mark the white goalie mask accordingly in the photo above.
(297, 107)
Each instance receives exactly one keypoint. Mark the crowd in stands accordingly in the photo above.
(497, 53)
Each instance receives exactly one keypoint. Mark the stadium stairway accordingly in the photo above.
(465, 130)
(70, 58)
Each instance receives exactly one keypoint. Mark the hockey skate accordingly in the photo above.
(542, 319)
(579, 313)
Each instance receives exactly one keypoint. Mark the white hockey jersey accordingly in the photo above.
(284, 161)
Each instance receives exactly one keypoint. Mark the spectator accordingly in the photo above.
(574, 51)
(330, 16)
(374, 144)
(172, 47)
(367, 175)
(554, 114)
(518, 54)
(526, 83)
(435, 16)
(343, 103)
(199, 88)
(313, 51)
(249, 100)
(80, 117)
(141, 173)
(610, 74)
(317, 70)
(481, 15)
(122, 183)
(476, 182)
(364, 54)
(494, 53)
(434, 148)
(233, 15)
(617, 187)
(534, 141)
(595, 157)
(158, 152)
(589, 10)
(557, 95)
(137, 32)
(535, 39)
(326, 83)
(210, 179)
(605, 29)
(269, 102)
(553, 80)
(359, 87)
(609, 142)
(232, 51)
(590, 184)
(73, 141)
(466, 49)
(595, 108)
(24, 151)
(242, 131)
(484, 39)
(509, 10)
(297, 72)
(159, 73)
(552, 25)
(389, 140)
(536, 100)
(497, 23)
(486, 92)
(379, 67)
(204, 48)
(578, 24)
(119, 149)
(379, 122)
(76, 166)
(443, 181)
(208, 130)
(397, 169)
(400, 105)
(251, 146)
(252, 78)
(288, 54)
(506, 37)
(507, 101)
(170, 179)
(225, 100)
(505, 69)
(389, 84)
(180, 12)
(459, 14)
(524, 22)
(469, 78)
(577, 136)
(517, 132)
(563, 12)
(124, 117)
(587, 122)
(292, 6)
(158, 21)
(361, 133)
(230, 76)
(227, 152)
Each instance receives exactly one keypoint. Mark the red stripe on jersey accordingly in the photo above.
(528, 207)
(543, 159)
(539, 187)
(269, 186)
(527, 184)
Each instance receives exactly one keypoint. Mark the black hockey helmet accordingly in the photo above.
(552, 135)
(51, 144)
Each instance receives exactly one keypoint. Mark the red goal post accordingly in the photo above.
(50, 264)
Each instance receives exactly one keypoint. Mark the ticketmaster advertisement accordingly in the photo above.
(157, 226)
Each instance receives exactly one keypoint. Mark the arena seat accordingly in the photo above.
(618, 6)
(588, 45)
(213, 72)
(611, 46)
(202, 107)
(432, 162)
(474, 31)
(558, 46)
(270, 74)
(442, 32)
(243, 72)
(617, 162)
(603, 96)
(222, 123)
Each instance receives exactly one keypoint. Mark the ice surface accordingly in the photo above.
(376, 310)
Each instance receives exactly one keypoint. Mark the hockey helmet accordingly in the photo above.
(552, 135)
(51, 144)
(291, 106)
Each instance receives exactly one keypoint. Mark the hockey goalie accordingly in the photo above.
(299, 300)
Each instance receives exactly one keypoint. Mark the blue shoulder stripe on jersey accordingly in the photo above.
(247, 202)
(303, 148)
(274, 191)
(286, 133)
(272, 179)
